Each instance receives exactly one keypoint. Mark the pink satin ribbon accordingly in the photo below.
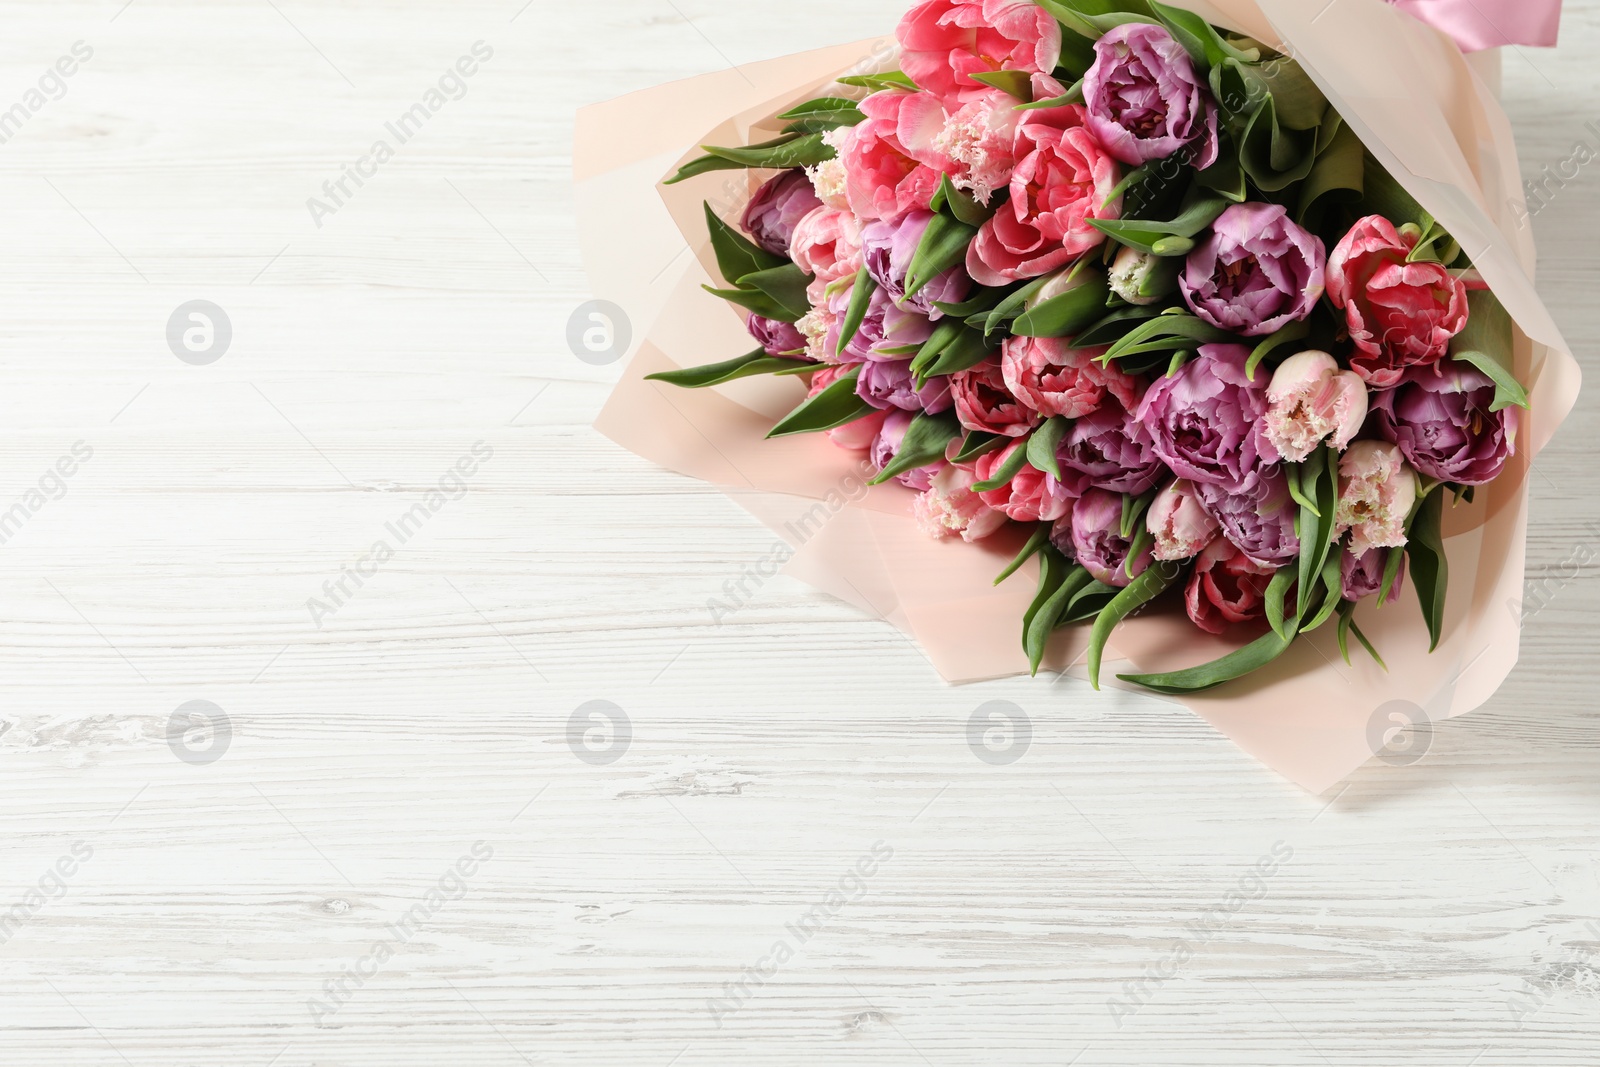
(1480, 24)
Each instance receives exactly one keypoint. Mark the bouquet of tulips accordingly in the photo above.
(1107, 271)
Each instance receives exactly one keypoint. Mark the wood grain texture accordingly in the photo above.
(1442, 914)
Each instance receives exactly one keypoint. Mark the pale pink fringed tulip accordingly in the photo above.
(950, 508)
(1376, 492)
(1309, 399)
(1179, 525)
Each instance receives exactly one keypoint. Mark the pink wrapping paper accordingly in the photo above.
(1417, 104)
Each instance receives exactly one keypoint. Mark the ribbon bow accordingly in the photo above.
(1479, 24)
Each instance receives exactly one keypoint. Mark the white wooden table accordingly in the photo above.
(290, 893)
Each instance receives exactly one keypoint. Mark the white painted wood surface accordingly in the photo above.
(1442, 913)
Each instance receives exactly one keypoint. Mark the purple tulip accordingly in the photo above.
(1109, 449)
(889, 383)
(777, 207)
(1206, 422)
(1098, 541)
(884, 327)
(1256, 273)
(777, 338)
(887, 247)
(886, 446)
(1145, 100)
(1439, 416)
(1362, 576)
(1258, 522)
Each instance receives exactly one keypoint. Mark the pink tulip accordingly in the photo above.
(1376, 492)
(943, 42)
(1226, 587)
(1031, 496)
(1309, 399)
(984, 403)
(827, 243)
(950, 508)
(883, 177)
(1179, 523)
(1052, 379)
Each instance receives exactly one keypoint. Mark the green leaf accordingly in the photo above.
(924, 443)
(1166, 333)
(893, 79)
(1274, 157)
(1146, 234)
(978, 443)
(1225, 177)
(1043, 622)
(1319, 481)
(757, 362)
(1037, 540)
(964, 207)
(1087, 603)
(945, 331)
(1383, 195)
(1042, 445)
(1006, 471)
(836, 405)
(701, 165)
(1068, 313)
(1017, 83)
(1199, 38)
(1430, 568)
(736, 254)
(856, 313)
(1300, 105)
(1391, 574)
(967, 350)
(1114, 326)
(1252, 657)
(1073, 95)
(1273, 602)
(1486, 343)
(1337, 176)
(943, 245)
(786, 285)
(1295, 331)
(1014, 304)
(804, 151)
(1333, 590)
(822, 114)
(1155, 580)
(1077, 17)
(754, 300)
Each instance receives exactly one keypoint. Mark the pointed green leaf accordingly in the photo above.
(944, 244)
(1430, 568)
(1068, 313)
(1486, 343)
(757, 362)
(836, 405)
(1155, 580)
(1252, 657)
(978, 443)
(856, 313)
(786, 285)
(736, 254)
(1006, 471)
(1037, 540)
(925, 442)
(1016, 83)
(1042, 446)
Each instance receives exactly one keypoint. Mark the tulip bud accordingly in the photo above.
(1061, 282)
(1309, 399)
(1143, 278)
(1178, 524)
